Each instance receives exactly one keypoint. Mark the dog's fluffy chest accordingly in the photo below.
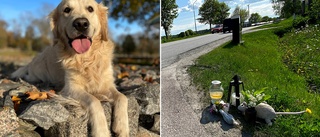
(94, 76)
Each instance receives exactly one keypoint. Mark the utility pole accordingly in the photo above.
(248, 10)
(194, 16)
(249, 15)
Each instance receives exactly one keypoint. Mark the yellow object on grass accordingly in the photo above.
(308, 111)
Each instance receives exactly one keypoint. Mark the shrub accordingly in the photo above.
(187, 33)
(191, 32)
(182, 34)
(206, 31)
(300, 22)
(282, 30)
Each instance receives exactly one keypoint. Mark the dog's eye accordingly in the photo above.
(67, 10)
(90, 9)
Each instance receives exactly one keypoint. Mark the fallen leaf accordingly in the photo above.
(123, 74)
(15, 98)
(37, 95)
(150, 79)
(134, 68)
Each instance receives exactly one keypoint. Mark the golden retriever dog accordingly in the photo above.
(80, 60)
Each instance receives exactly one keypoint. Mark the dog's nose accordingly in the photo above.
(81, 24)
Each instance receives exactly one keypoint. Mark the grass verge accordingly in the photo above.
(259, 62)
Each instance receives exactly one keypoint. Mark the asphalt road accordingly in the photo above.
(171, 50)
(181, 107)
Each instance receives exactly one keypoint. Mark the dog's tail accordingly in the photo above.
(20, 73)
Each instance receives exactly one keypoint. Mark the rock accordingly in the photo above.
(156, 125)
(8, 119)
(7, 102)
(14, 88)
(27, 133)
(73, 128)
(45, 113)
(24, 125)
(146, 133)
(78, 128)
(135, 82)
(142, 86)
(148, 98)
(151, 74)
(6, 85)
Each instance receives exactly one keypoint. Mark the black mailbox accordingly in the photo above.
(237, 31)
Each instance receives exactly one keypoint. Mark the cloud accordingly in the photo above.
(184, 9)
(233, 3)
(197, 3)
(192, 4)
(264, 8)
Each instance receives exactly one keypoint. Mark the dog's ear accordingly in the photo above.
(53, 16)
(102, 13)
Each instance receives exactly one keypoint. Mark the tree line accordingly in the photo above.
(29, 40)
(211, 12)
(309, 10)
(214, 12)
(33, 33)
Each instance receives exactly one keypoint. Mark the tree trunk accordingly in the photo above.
(166, 32)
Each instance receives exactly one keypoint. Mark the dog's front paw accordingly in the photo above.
(121, 129)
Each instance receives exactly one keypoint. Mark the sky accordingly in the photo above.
(13, 9)
(185, 19)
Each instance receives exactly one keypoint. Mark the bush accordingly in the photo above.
(206, 31)
(187, 33)
(300, 22)
(163, 40)
(182, 34)
(283, 27)
(191, 32)
(281, 31)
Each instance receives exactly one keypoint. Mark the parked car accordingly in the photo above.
(217, 29)
(227, 25)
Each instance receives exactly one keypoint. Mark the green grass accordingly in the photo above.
(259, 63)
(302, 54)
(284, 23)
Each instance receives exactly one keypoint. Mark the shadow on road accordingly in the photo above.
(208, 117)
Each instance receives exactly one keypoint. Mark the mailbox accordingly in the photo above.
(237, 30)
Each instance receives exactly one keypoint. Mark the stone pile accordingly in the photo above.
(50, 118)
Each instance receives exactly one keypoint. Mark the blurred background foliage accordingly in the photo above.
(30, 32)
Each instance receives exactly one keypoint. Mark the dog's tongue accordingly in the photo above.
(81, 45)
